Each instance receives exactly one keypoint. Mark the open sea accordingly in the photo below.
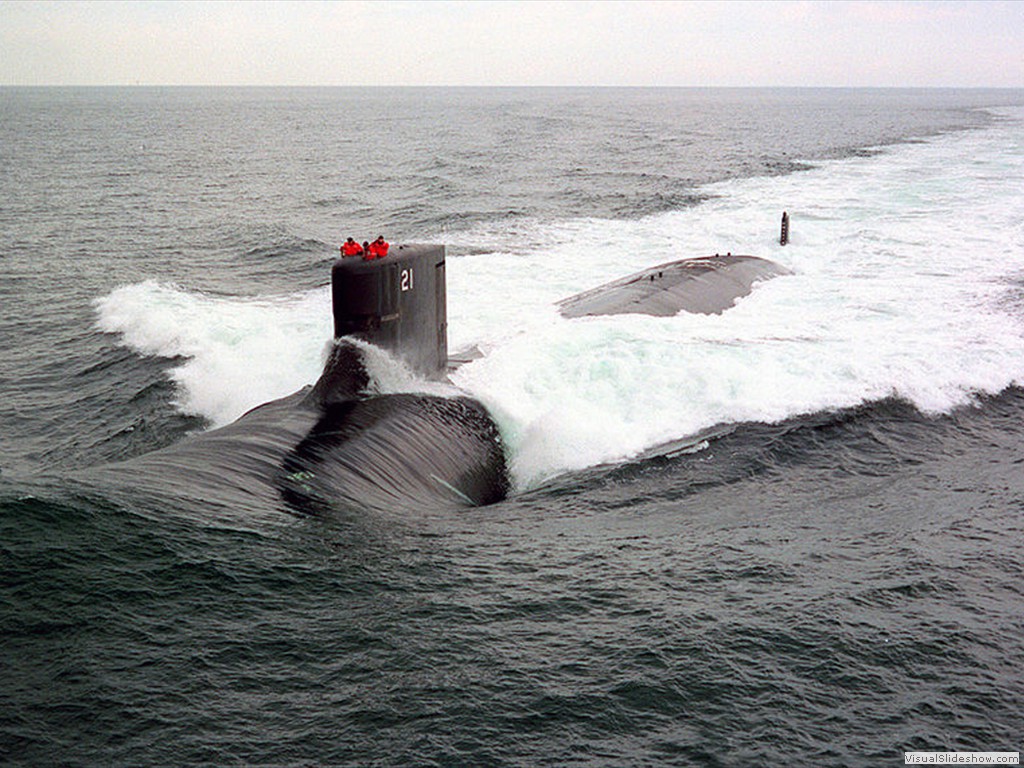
(836, 578)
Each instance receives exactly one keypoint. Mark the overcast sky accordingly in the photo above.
(531, 42)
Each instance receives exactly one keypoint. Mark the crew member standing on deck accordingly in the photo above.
(351, 248)
(379, 248)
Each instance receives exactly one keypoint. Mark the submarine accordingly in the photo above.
(341, 441)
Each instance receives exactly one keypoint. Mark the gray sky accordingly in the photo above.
(531, 42)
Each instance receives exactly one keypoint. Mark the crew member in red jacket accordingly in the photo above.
(351, 248)
(379, 248)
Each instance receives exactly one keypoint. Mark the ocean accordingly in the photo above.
(834, 579)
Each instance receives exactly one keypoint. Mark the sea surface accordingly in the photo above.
(835, 579)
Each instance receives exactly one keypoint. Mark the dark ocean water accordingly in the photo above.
(833, 582)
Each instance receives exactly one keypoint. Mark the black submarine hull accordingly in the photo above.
(336, 445)
(343, 442)
(707, 285)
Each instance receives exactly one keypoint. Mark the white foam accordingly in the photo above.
(389, 375)
(904, 264)
(240, 352)
(907, 264)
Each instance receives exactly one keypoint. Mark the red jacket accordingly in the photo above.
(378, 250)
(351, 249)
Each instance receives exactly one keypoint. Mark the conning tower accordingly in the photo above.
(396, 303)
